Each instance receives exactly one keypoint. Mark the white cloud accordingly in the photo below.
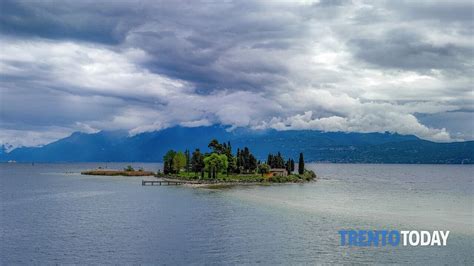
(84, 68)
(30, 138)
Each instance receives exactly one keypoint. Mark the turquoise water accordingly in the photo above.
(49, 213)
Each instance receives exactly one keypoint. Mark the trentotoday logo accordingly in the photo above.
(377, 238)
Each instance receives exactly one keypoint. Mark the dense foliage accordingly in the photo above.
(301, 164)
(220, 163)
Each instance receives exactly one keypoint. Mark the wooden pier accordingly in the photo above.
(167, 182)
(160, 182)
(175, 182)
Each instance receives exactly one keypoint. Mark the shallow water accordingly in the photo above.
(49, 213)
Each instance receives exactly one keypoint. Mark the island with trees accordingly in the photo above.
(221, 165)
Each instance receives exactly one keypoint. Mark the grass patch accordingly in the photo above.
(248, 178)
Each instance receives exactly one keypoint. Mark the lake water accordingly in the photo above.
(49, 213)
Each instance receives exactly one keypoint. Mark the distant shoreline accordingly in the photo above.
(315, 162)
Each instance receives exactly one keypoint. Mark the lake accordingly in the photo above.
(49, 213)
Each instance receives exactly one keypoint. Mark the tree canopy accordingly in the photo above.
(221, 160)
(215, 163)
(301, 164)
(197, 161)
(168, 162)
(179, 162)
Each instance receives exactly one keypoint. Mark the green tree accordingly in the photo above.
(276, 161)
(197, 161)
(270, 159)
(168, 167)
(280, 162)
(233, 165)
(239, 165)
(215, 163)
(288, 166)
(245, 162)
(188, 161)
(301, 164)
(216, 147)
(252, 164)
(230, 158)
(263, 168)
(179, 162)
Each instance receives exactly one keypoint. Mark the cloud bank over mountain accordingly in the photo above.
(363, 66)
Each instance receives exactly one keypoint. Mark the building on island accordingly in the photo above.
(278, 172)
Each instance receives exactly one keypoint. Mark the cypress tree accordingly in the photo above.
(188, 160)
(197, 163)
(301, 164)
(280, 163)
(239, 162)
(288, 166)
(168, 166)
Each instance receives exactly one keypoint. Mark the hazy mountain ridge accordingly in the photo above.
(316, 145)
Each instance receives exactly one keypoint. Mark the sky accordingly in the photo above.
(354, 66)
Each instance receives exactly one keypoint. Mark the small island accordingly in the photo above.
(221, 166)
(128, 171)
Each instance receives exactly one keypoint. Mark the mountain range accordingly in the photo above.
(317, 146)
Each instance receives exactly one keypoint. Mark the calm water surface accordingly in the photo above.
(49, 213)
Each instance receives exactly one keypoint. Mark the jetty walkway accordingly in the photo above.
(175, 182)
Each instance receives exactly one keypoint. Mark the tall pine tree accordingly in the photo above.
(301, 164)
(197, 161)
(188, 160)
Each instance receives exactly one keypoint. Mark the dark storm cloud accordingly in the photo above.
(443, 11)
(214, 45)
(332, 3)
(217, 46)
(408, 50)
(82, 20)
